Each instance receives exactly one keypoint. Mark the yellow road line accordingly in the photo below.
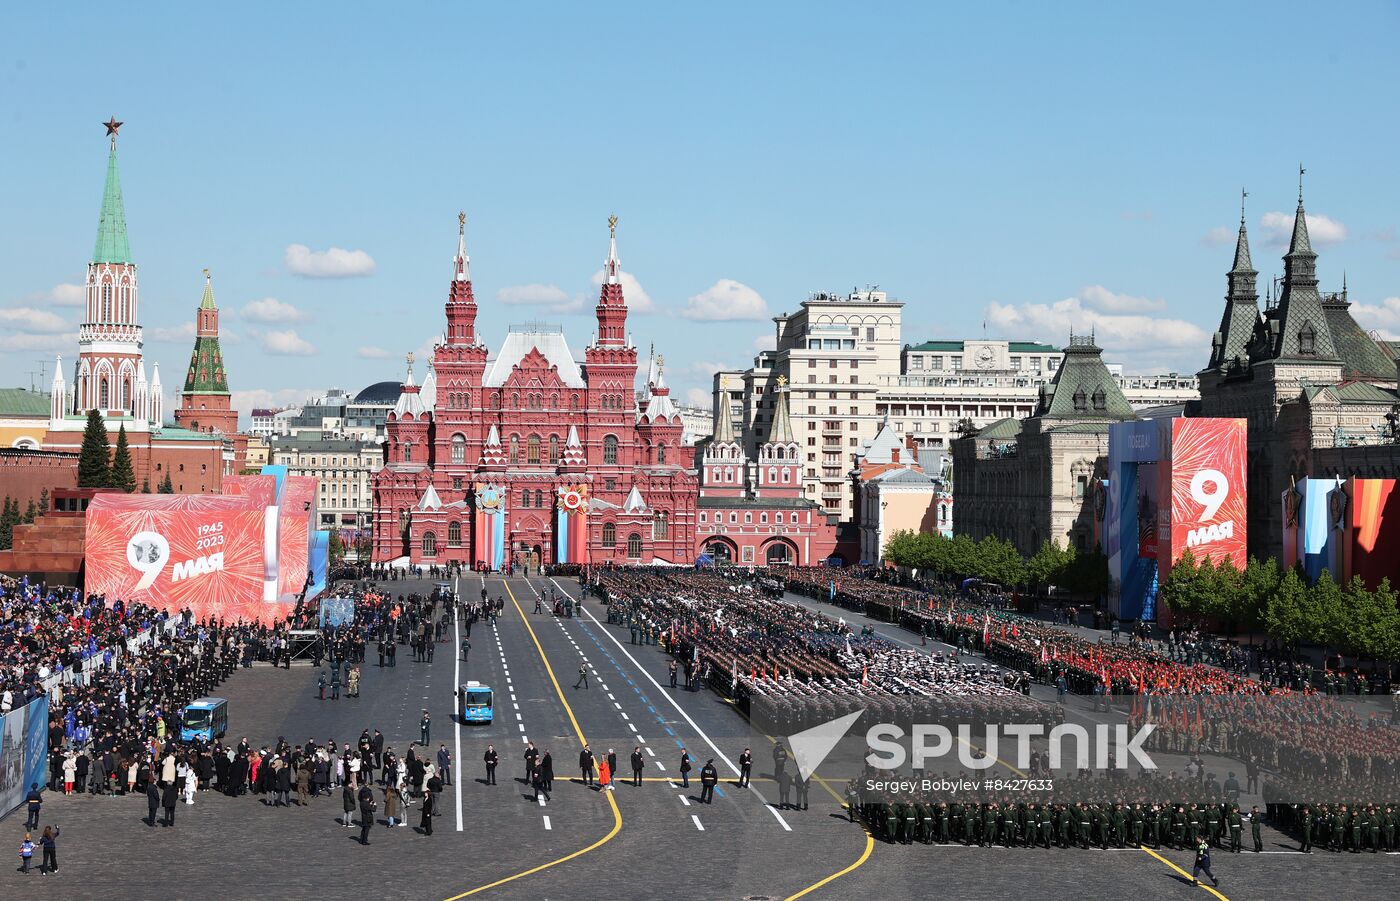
(612, 802)
(865, 855)
(1187, 875)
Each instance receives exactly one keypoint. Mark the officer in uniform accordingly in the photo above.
(803, 788)
(1138, 822)
(1255, 823)
(1307, 825)
(1236, 829)
(709, 777)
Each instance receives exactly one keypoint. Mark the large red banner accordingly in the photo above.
(295, 517)
(201, 552)
(1208, 489)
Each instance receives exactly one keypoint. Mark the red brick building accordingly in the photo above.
(532, 455)
(752, 512)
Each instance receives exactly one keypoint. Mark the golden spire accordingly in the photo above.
(612, 226)
(462, 222)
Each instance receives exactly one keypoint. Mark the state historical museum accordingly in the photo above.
(531, 456)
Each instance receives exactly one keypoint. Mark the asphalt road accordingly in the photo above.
(646, 842)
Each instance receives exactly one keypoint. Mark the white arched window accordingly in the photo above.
(459, 449)
(429, 544)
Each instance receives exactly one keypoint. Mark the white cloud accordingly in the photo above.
(638, 300)
(270, 309)
(1322, 230)
(246, 400)
(1384, 317)
(1143, 343)
(1100, 298)
(28, 319)
(287, 344)
(174, 334)
(551, 298)
(67, 295)
(765, 342)
(699, 397)
(64, 343)
(373, 353)
(726, 301)
(1219, 237)
(704, 369)
(332, 263)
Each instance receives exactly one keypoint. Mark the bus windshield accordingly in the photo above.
(478, 699)
(197, 719)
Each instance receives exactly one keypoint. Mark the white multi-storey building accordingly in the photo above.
(343, 466)
(847, 369)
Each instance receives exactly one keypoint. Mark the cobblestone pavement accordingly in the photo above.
(668, 844)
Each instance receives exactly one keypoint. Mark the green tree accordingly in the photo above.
(335, 548)
(123, 475)
(43, 501)
(1047, 566)
(1328, 609)
(94, 459)
(145, 486)
(1287, 617)
(9, 516)
(1180, 590)
(31, 512)
(1260, 581)
(165, 486)
(1228, 602)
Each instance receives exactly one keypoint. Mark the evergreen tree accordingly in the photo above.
(43, 502)
(32, 511)
(123, 476)
(94, 460)
(145, 486)
(9, 516)
(165, 486)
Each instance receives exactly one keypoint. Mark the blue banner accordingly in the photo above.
(24, 752)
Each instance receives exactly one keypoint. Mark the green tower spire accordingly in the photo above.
(206, 374)
(111, 224)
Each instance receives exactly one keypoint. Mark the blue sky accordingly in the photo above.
(1031, 166)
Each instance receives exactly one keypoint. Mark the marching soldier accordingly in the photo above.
(1254, 829)
(1236, 829)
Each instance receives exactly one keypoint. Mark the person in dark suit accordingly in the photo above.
(152, 800)
(638, 761)
(745, 767)
(612, 762)
(547, 769)
(366, 800)
(169, 796)
(685, 768)
(492, 758)
(429, 806)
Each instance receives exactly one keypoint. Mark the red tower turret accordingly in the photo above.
(612, 311)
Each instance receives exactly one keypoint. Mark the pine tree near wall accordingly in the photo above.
(165, 486)
(123, 475)
(94, 460)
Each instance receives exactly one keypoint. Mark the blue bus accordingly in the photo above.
(205, 718)
(475, 703)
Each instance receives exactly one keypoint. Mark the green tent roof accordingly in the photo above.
(111, 223)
